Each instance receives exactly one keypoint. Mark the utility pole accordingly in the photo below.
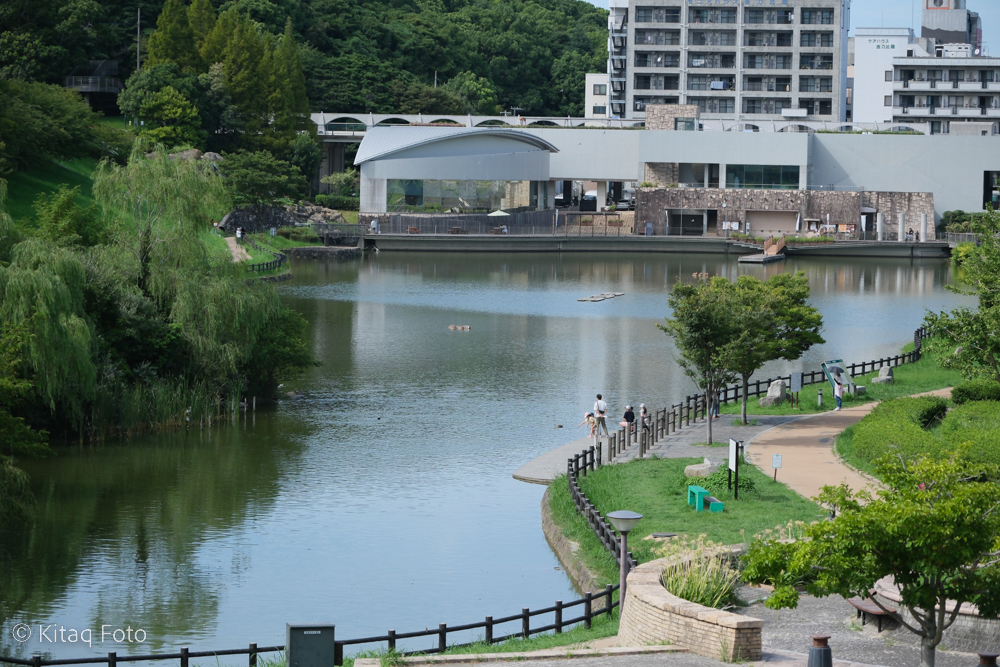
(138, 36)
(435, 78)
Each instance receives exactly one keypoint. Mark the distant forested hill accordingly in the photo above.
(358, 56)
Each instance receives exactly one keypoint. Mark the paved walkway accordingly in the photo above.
(239, 254)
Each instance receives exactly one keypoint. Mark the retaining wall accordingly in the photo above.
(653, 615)
(324, 252)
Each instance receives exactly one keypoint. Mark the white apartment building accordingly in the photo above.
(596, 96)
(741, 60)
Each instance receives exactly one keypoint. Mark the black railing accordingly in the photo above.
(277, 262)
(590, 459)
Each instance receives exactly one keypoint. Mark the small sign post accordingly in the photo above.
(796, 387)
(776, 463)
(734, 466)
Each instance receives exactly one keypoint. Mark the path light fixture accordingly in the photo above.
(820, 654)
(623, 521)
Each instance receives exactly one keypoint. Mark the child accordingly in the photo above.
(589, 420)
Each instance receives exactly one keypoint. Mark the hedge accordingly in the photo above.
(339, 203)
(900, 425)
(298, 233)
(976, 422)
(976, 390)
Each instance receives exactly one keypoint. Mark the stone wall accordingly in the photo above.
(662, 116)
(732, 204)
(662, 173)
(324, 252)
(652, 616)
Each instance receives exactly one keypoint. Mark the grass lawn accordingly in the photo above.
(23, 187)
(845, 448)
(924, 375)
(601, 626)
(280, 243)
(657, 489)
(350, 217)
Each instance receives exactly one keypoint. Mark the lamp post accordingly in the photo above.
(623, 521)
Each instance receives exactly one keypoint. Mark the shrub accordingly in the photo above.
(982, 389)
(298, 234)
(976, 423)
(708, 581)
(962, 252)
(339, 203)
(718, 481)
(899, 425)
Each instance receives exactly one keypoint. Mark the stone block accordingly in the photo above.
(701, 469)
(776, 394)
(885, 376)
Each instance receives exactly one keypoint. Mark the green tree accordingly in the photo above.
(772, 321)
(63, 222)
(201, 18)
(260, 181)
(174, 39)
(281, 351)
(306, 157)
(702, 325)
(172, 120)
(477, 92)
(969, 340)
(933, 527)
(343, 184)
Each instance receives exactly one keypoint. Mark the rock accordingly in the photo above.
(211, 157)
(885, 376)
(190, 154)
(701, 469)
(776, 395)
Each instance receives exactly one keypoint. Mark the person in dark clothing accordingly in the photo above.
(629, 419)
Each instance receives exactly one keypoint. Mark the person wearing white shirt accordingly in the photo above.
(600, 410)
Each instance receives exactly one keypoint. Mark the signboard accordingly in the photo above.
(732, 454)
(776, 461)
(796, 383)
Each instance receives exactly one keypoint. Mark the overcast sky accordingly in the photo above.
(906, 13)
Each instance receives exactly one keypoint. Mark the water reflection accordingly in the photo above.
(380, 497)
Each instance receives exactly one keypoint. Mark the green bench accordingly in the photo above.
(700, 500)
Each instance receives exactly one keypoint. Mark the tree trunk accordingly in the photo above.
(708, 413)
(746, 388)
(927, 647)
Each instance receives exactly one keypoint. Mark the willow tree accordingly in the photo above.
(157, 206)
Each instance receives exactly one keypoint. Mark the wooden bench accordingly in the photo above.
(458, 230)
(413, 230)
(867, 608)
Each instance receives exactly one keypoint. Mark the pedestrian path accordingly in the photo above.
(239, 254)
(807, 447)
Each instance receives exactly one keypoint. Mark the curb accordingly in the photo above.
(548, 654)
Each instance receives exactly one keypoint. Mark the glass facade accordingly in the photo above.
(431, 196)
(762, 177)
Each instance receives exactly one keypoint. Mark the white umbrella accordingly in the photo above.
(495, 214)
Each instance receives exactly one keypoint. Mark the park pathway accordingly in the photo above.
(806, 445)
(239, 254)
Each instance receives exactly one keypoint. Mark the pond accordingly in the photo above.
(380, 496)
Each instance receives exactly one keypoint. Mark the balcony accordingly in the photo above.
(94, 84)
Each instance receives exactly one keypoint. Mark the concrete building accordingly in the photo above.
(949, 22)
(596, 96)
(716, 177)
(736, 61)
(902, 79)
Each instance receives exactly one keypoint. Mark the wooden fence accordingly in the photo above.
(277, 262)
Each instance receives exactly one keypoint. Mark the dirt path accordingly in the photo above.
(239, 254)
(808, 459)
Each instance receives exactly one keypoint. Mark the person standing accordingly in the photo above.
(838, 389)
(600, 411)
(644, 419)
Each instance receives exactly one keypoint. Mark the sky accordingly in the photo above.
(906, 13)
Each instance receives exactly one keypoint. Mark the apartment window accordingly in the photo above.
(888, 75)
(713, 60)
(767, 39)
(817, 107)
(710, 82)
(657, 59)
(767, 61)
(600, 111)
(711, 15)
(714, 104)
(656, 82)
(657, 14)
(698, 82)
(816, 61)
(816, 84)
(824, 39)
(817, 17)
(888, 100)
(705, 38)
(766, 105)
(762, 177)
(658, 37)
(769, 16)
(600, 89)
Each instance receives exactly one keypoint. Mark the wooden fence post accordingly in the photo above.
(525, 623)
(442, 637)
(184, 657)
(607, 599)
(587, 609)
(558, 621)
(489, 629)
(253, 655)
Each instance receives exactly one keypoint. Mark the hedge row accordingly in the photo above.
(976, 390)
(339, 203)
(915, 426)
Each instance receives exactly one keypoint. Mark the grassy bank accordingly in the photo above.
(280, 243)
(23, 187)
(924, 375)
(657, 489)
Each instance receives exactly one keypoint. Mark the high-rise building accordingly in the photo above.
(740, 60)
(949, 22)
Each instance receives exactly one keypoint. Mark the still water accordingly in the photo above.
(381, 495)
